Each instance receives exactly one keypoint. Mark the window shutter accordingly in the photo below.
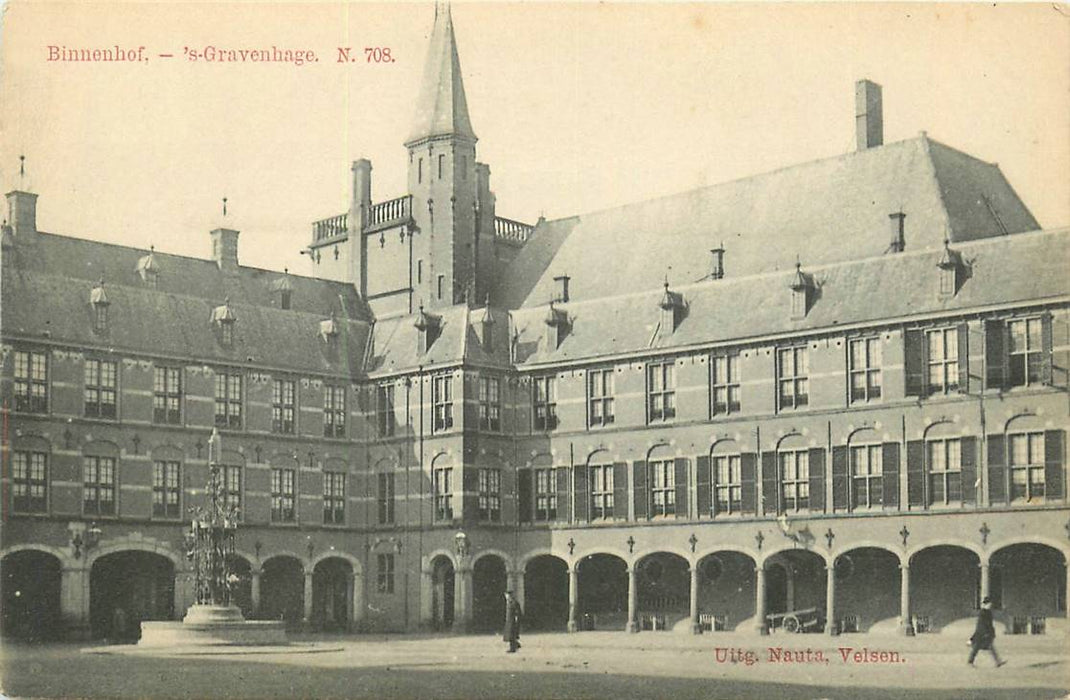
(1060, 351)
(915, 360)
(703, 486)
(1045, 350)
(620, 490)
(769, 484)
(1053, 463)
(817, 479)
(995, 354)
(583, 500)
(681, 488)
(839, 477)
(639, 489)
(564, 509)
(523, 495)
(470, 499)
(916, 474)
(964, 358)
(748, 464)
(968, 457)
(890, 470)
(997, 469)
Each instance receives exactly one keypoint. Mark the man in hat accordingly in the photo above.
(513, 615)
(984, 634)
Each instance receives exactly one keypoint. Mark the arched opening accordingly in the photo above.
(30, 595)
(603, 592)
(127, 588)
(725, 591)
(944, 586)
(241, 591)
(867, 590)
(795, 591)
(442, 593)
(489, 583)
(663, 588)
(282, 590)
(331, 602)
(1027, 585)
(545, 601)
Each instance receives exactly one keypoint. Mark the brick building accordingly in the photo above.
(865, 434)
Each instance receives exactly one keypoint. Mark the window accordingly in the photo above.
(385, 573)
(384, 410)
(442, 402)
(443, 491)
(1024, 351)
(602, 492)
(441, 285)
(228, 404)
(663, 487)
(490, 403)
(420, 170)
(867, 480)
(794, 370)
(725, 379)
(1027, 466)
(420, 271)
(334, 411)
(794, 480)
(226, 332)
(100, 381)
(865, 369)
(660, 391)
(231, 475)
(285, 299)
(30, 482)
(98, 487)
(166, 490)
(100, 317)
(490, 495)
(544, 403)
(31, 382)
(728, 479)
(600, 396)
(167, 395)
(943, 372)
(441, 165)
(945, 471)
(545, 495)
(334, 498)
(386, 498)
(283, 496)
(282, 406)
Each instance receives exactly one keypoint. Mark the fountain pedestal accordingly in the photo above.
(212, 625)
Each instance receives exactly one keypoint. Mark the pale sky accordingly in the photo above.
(578, 107)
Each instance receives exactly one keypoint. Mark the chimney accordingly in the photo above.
(561, 289)
(717, 263)
(869, 122)
(22, 213)
(225, 249)
(898, 243)
(362, 195)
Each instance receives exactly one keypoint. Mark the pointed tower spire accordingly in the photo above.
(441, 109)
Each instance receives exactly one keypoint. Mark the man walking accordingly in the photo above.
(513, 615)
(984, 634)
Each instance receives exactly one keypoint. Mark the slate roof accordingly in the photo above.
(48, 284)
(1029, 267)
(825, 211)
(442, 108)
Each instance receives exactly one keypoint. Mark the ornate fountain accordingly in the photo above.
(213, 619)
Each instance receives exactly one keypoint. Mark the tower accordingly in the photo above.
(451, 202)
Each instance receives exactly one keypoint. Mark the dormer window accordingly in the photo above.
(149, 269)
(429, 327)
(951, 271)
(802, 287)
(283, 288)
(486, 328)
(99, 300)
(329, 329)
(557, 327)
(223, 319)
(672, 311)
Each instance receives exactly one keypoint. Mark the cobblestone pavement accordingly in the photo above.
(587, 665)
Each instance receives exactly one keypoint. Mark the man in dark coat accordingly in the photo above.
(513, 616)
(984, 634)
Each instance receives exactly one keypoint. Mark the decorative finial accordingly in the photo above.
(224, 206)
(487, 302)
(798, 263)
(152, 248)
(285, 270)
(22, 167)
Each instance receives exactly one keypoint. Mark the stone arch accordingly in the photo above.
(249, 558)
(795, 579)
(441, 600)
(522, 560)
(167, 451)
(726, 593)
(66, 559)
(545, 602)
(590, 455)
(867, 578)
(945, 583)
(940, 428)
(490, 580)
(982, 555)
(507, 560)
(586, 554)
(899, 554)
(663, 589)
(128, 584)
(333, 592)
(765, 557)
(1031, 539)
(681, 552)
(1027, 585)
(602, 598)
(358, 568)
(658, 445)
(282, 587)
(430, 557)
(784, 442)
(30, 593)
(702, 554)
(1025, 421)
(140, 545)
(101, 448)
